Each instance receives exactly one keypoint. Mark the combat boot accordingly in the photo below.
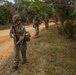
(15, 66)
(23, 62)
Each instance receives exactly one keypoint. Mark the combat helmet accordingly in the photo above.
(16, 17)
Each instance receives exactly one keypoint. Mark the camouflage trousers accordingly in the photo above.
(20, 49)
(46, 26)
(36, 31)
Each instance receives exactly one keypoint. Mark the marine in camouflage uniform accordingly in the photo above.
(18, 32)
(46, 20)
(36, 23)
(55, 17)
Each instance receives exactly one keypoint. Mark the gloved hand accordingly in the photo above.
(13, 36)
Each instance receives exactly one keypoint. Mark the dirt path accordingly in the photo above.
(6, 32)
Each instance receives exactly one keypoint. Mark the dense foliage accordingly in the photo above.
(66, 11)
(27, 9)
(5, 15)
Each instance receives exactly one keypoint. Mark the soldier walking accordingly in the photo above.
(18, 32)
(46, 20)
(55, 17)
(36, 23)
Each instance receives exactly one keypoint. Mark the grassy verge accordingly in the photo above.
(3, 27)
(55, 54)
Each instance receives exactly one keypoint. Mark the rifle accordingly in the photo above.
(16, 38)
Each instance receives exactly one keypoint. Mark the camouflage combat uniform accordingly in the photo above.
(46, 23)
(36, 23)
(55, 17)
(19, 32)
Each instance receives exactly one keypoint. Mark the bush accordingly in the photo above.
(4, 15)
